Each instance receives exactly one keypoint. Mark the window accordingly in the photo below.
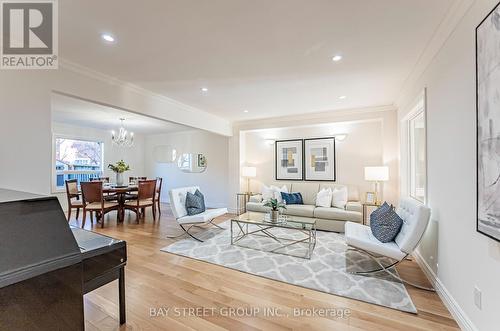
(417, 156)
(76, 159)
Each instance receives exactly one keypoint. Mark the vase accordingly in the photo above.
(119, 178)
(275, 215)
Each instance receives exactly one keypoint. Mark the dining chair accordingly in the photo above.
(94, 202)
(135, 180)
(159, 181)
(146, 195)
(73, 197)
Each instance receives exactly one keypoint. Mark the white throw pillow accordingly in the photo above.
(267, 192)
(324, 198)
(277, 192)
(339, 197)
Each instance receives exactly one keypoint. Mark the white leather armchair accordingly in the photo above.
(415, 218)
(186, 222)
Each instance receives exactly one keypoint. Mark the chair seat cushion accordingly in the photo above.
(98, 205)
(206, 216)
(299, 210)
(360, 236)
(142, 202)
(77, 203)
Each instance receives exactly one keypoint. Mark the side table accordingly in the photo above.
(241, 202)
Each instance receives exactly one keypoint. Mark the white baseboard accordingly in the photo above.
(456, 311)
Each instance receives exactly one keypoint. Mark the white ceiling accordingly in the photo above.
(79, 112)
(270, 57)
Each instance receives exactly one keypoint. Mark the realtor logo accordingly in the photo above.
(29, 34)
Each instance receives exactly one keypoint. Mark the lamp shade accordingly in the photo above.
(377, 174)
(249, 171)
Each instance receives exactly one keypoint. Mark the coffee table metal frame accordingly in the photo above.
(263, 227)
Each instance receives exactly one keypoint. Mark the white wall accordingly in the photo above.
(213, 182)
(362, 147)
(387, 145)
(461, 257)
(134, 155)
(25, 117)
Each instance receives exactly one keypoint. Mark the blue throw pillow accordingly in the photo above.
(386, 225)
(292, 198)
(195, 203)
(384, 208)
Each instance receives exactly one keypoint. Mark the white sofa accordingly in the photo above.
(327, 218)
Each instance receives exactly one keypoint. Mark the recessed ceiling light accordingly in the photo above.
(245, 111)
(337, 58)
(107, 37)
(342, 97)
(204, 89)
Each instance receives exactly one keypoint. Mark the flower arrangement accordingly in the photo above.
(119, 167)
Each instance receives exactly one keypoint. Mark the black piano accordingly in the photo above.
(46, 266)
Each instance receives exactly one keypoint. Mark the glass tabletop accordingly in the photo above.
(285, 221)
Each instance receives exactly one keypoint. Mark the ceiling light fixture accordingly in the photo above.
(108, 38)
(124, 138)
(342, 97)
(245, 111)
(204, 89)
(337, 58)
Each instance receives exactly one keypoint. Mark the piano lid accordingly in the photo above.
(34, 237)
(92, 244)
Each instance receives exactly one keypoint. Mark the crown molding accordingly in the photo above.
(454, 15)
(332, 115)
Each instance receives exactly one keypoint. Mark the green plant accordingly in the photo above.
(119, 167)
(274, 204)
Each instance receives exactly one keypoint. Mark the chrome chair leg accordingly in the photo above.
(386, 269)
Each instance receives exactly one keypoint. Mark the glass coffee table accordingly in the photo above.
(291, 235)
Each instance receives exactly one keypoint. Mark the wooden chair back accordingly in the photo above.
(159, 181)
(92, 192)
(146, 189)
(72, 190)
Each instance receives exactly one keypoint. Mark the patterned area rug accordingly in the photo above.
(326, 271)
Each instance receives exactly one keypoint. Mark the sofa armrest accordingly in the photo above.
(255, 198)
(354, 206)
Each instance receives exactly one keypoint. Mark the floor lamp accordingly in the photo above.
(248, 172)
(377, 175)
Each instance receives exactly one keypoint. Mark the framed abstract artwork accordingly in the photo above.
(488, 124)
(319, 156)
(288, 159)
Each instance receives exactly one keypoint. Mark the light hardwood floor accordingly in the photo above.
(155, 279)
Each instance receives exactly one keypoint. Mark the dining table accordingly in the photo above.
(121, 192)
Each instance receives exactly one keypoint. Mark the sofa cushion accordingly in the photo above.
(308, 191)
(292, 198)
(331, 213)
(354, 206)
(257, 207)
(299, 210)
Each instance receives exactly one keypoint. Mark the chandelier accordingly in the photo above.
(123, 138)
